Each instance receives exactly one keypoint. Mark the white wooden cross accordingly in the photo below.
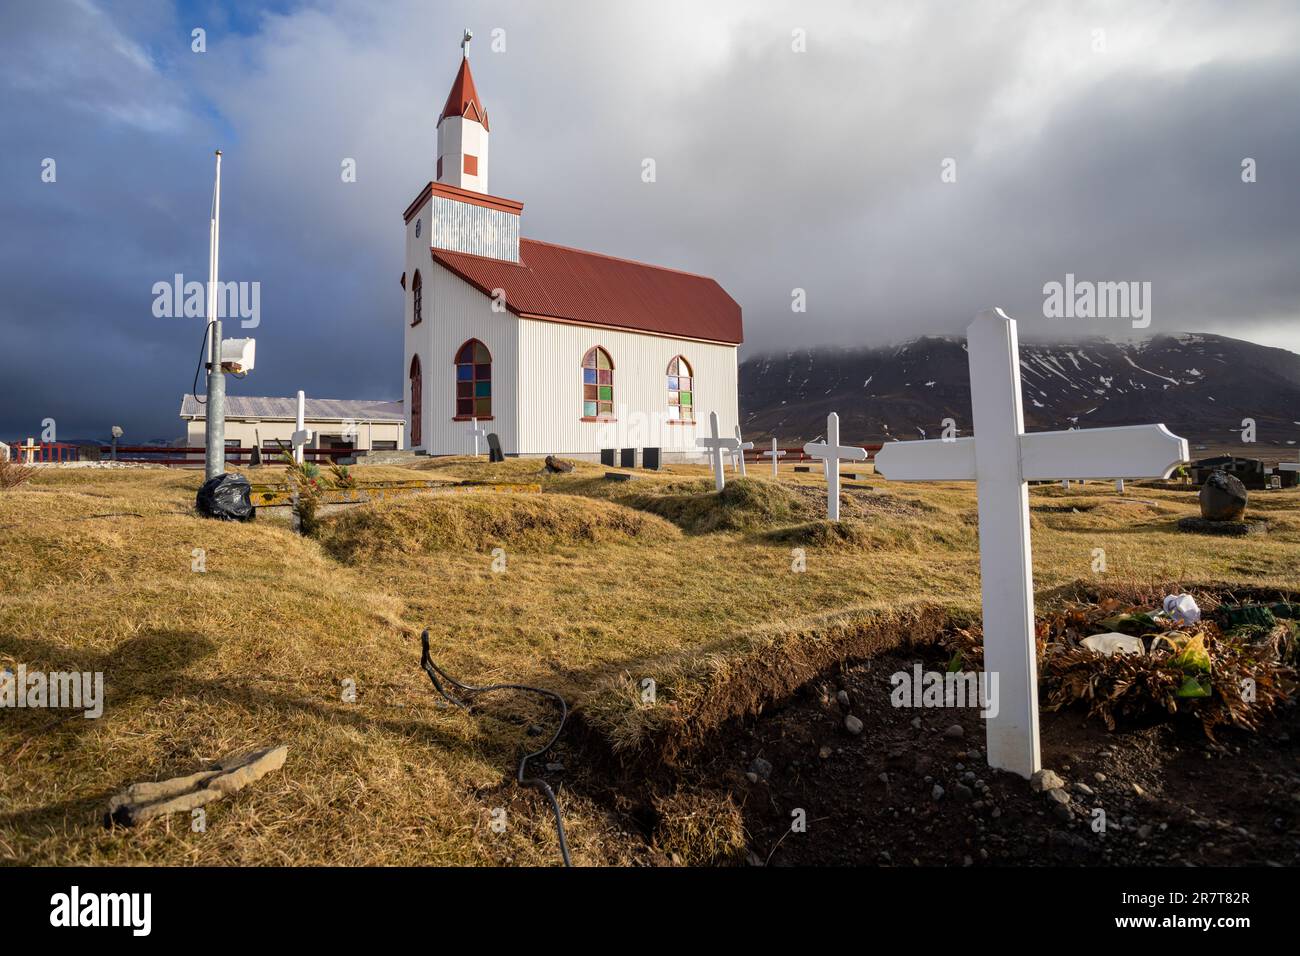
(776, 455)
(303, 434)
(478, 431)
(717, 446)
(1001, 458)
(830, 452)
(742, 446)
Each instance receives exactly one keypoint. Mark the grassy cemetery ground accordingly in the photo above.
(757, 651)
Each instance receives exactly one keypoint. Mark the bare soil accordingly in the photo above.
(1170, 796)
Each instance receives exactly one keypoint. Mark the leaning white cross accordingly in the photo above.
(830, 452)
(477, 431)
(716, 447)
(1001, 458)
(776, 455)
(742, 446)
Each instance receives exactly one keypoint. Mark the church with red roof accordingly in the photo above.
(554, 350)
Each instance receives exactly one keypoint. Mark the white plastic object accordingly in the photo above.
(237, 355)
(1182, 608)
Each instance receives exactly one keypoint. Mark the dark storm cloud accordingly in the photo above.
(775, 170)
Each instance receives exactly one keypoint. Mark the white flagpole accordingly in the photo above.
(215, 452)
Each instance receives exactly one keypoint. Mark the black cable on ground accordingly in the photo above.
(434, 672)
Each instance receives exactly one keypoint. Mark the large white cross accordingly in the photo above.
(478, 431)
(1001, 459)
(716, 447)
(742, 446)
(776, 455)
(830, 452)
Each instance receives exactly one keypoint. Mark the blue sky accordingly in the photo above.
(777, 170)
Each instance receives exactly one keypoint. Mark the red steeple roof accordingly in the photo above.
(463, 99)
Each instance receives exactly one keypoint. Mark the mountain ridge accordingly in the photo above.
(1201, 385)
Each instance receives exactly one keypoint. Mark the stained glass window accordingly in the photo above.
(417, 299)
(473, 381)
(681, 391)
(597, 384)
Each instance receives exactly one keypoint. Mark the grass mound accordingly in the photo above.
(423, 524)
(745, 504)
(843, 535)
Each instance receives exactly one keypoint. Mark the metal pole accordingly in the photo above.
(215, 457)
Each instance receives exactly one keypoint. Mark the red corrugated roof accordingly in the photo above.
(571, 285)
(464, 97)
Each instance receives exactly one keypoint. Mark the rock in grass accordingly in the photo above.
(853, 725)
(1045, 780)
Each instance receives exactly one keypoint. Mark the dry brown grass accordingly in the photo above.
(460, 522)
(95, 574)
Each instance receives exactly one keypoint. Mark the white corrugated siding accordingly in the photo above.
(550, 389)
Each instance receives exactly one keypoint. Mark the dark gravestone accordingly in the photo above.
(618, 476)
(1223, 497)
(607, 457)
(494, 448)
(650, 458)
(802, 468)
(627, 458)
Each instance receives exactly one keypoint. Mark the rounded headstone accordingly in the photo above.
(1223, 497)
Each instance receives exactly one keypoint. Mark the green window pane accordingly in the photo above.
(686, 397)
(607, 393)
(483, 389)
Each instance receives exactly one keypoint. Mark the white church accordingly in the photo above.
(556, 350)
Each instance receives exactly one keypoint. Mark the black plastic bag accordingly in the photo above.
(226, 497)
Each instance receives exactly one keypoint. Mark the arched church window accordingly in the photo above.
(597, 384)
(417, 299)
(473, 381)
(681, 391)
(417, 391)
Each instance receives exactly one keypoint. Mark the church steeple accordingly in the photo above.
(463, 131)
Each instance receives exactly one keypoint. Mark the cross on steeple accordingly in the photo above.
(464, 42)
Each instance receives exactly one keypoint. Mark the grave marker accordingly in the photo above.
(742, 446)
(830, 452)
(716, 446)
(1001, 459)
(495, 453)
(627, 458)
(477, 431)
(776, 455)
(303, 434)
